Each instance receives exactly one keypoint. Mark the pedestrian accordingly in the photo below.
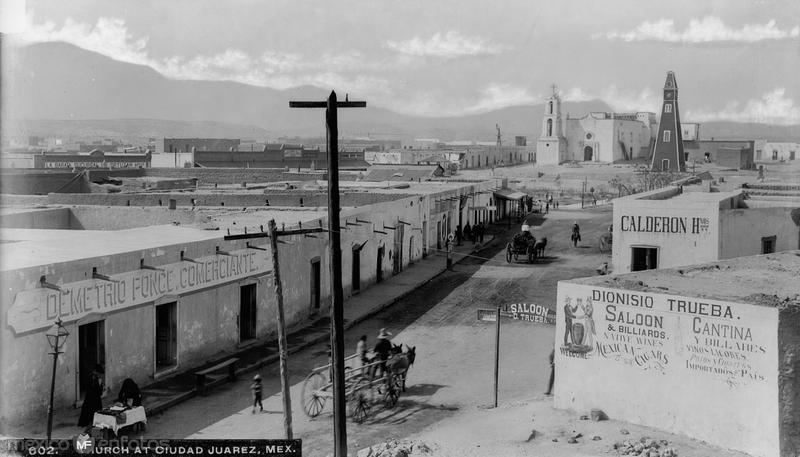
(552, 373)
(129, 394)
(468, 232)
(361, 350)
(256, 388)
(547, 208)
(382, 349)
(556, 204)
(92, 401)
(483, 231)
(576, 234)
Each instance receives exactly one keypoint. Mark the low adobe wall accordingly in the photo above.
(704, 368)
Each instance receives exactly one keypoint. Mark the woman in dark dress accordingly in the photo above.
(92, 401)
(129, 394)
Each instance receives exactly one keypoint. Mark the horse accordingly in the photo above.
(399, 362)
(539, 247)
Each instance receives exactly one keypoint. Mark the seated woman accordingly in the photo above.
(129, 394)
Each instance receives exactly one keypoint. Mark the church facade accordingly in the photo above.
(599, 137)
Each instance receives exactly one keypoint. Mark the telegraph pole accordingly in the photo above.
(282, 344)
(334, 244)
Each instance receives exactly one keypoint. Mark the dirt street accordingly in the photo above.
(454, 366)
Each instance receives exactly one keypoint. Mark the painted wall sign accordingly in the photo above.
(665, 333)
(664, 224)
(39, 308)
(529, 312)
(97, 164)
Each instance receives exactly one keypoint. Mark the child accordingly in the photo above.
(256, 388)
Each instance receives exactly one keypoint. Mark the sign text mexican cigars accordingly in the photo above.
(39, 308)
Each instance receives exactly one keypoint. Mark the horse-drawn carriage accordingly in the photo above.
(362, 385)
(522, 245)
(526, 246)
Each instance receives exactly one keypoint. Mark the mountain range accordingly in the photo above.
(60, 89)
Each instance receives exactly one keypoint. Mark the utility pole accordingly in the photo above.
(334, 243)
(282, 344)
(584, 191)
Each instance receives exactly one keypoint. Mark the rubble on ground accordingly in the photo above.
(645, 447)
(395, 448)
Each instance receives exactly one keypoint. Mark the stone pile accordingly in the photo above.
(395, 448)
(645, 447)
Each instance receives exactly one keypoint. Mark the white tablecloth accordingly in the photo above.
(132, 416)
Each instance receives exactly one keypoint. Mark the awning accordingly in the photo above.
(509, 194)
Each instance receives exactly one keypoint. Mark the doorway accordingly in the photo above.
(768, 244)
(410, 249)
(166, 335)
(247, 312)
(379, 272)
(315, 285)
(665, 165)
(644, 258)
(588, 152)
(438, 235)
(91, 351)
(356, 270)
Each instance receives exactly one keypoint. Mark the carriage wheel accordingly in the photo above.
(508, 253)
(391, 394)
(313, 401)
(360, 401)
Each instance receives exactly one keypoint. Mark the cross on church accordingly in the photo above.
(334, 243)
(555, 89)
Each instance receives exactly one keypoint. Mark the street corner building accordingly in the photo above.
(142, 303)
(687, 224)
(711, 351)
(146, 301)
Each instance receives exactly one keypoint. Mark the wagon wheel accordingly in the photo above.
(390, 393)
(508, 253)
(360, 400)
(313, 402)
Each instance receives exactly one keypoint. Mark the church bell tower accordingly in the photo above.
(668, 148)
(552, 145)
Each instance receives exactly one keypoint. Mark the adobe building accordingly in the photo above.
(682, 225)
(711, 351)
(599, 137)
(148, 291)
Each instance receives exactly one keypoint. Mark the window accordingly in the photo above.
(774, 154)
(667, 107)
(549, 127)
(551, 107)
(666, 136)
(768, 244)
(644, 258)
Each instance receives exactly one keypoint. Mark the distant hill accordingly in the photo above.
(60, 89)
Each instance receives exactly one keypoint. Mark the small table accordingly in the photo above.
(132, 416)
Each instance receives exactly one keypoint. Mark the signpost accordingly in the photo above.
(518, 311)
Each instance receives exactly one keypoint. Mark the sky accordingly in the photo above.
(736, 60)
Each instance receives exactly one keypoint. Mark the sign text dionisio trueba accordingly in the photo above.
(39, 308)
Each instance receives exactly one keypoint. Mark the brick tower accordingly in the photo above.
(668, 147)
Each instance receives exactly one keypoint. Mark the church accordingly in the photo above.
(603, 137)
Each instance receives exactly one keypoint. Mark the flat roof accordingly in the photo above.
(765, 280)
(253, 219)
(24, 248)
